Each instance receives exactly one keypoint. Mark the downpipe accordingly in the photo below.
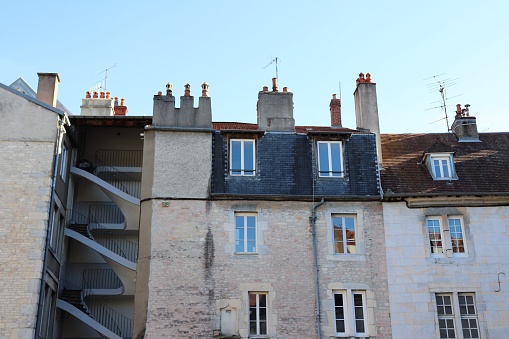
(312, 221)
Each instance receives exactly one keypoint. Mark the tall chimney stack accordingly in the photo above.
(275, 109)
(464, 125)
(335, 111)
(47, 89)
(366, 109)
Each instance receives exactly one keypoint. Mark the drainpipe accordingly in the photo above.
(64, 120)
(312, 221)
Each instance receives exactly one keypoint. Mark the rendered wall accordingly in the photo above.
(414, 276)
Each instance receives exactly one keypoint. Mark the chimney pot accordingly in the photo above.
(116, 101)
(187, 90)
(205, 90)
(168, 89)
(274, 84)
(265, 89)
(458, 110)
(108, 95)
(87, 95)
(103, 95)
(96, 95)
(122, 102)
(335, 111)
(159, 93)
(285, 89)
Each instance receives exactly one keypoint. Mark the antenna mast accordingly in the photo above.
(270, 63)
(441, 89)
(106, 74)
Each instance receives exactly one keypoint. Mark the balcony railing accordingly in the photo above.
(119, 158)
(106, 214)
(87, 226)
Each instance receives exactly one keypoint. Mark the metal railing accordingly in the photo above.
(106, 167)
(106, 214)
(102, 278)
(103, 314)
(104, 236)
(120, 158)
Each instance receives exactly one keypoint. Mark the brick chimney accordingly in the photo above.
(275, 109)
(47, 89)
(335, 111)
(120, 109)
(366, 109)
(465, 126)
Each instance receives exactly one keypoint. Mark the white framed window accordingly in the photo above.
(441, 166)
(63, 162)
(242, 157)
(350, 313)
(457, 315)
(330, 162)
(258, 310)
(343, 227)
(446, 236)
(245, 232)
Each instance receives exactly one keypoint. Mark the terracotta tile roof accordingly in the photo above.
(481, 167)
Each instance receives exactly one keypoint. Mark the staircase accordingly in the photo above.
(73, 297)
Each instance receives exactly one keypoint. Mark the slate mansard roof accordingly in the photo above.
(481, 167)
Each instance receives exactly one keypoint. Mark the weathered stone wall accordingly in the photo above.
(25, 185)
(195, 273)
(414, 276)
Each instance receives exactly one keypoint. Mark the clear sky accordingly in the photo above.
(319, 45)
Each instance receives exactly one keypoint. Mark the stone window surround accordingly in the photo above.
(359, 234)
(261, 229)
(328, 327)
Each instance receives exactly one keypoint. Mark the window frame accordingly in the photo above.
(246, 240)
(329, 172)
(344, 232)
(448, 246)
(63, 162)
(457, 316)
(258, 320)
(349, 314)
(242, 170)
(449, 164)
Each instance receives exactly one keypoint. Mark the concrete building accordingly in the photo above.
(265, 230)
(446, 220)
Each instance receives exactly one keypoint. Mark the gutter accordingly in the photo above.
(312, 221)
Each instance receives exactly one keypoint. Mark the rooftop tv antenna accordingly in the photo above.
(272, 62)
(439, 85)
(106, 75)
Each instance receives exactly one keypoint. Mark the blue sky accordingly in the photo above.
(319, 45)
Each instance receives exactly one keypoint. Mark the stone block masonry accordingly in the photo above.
(25, 185)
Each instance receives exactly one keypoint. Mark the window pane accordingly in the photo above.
(339, 313)
(358, 312)
(235, 154)
(335, 159)
(456, 236)
(350, 235)
(445, 169)
(248, 157)
(435, 237)
(339, 246)
(323, 161)
(436, 164)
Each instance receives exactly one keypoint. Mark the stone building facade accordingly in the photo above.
(265, 230)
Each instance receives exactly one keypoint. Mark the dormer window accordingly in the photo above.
(441, 166)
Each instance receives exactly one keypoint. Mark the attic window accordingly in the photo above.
(441, 166)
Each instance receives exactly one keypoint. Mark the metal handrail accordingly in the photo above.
(115, 243)
(106, 214)
(121, 158)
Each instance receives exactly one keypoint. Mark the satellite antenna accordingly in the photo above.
(106, 74)
(440, 85)
(272, 62)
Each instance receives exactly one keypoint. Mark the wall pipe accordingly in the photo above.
(312, 221)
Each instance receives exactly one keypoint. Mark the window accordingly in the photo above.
(242, 157)
(344, 234)
(350, 313)
(446, 238)
(457, 315)
(329, 159)
(257, 314)
(245, 232)
(441, 166)
(63, 163)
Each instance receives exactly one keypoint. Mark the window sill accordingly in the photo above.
(452, 261)
(347, 257)
(245, 253)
